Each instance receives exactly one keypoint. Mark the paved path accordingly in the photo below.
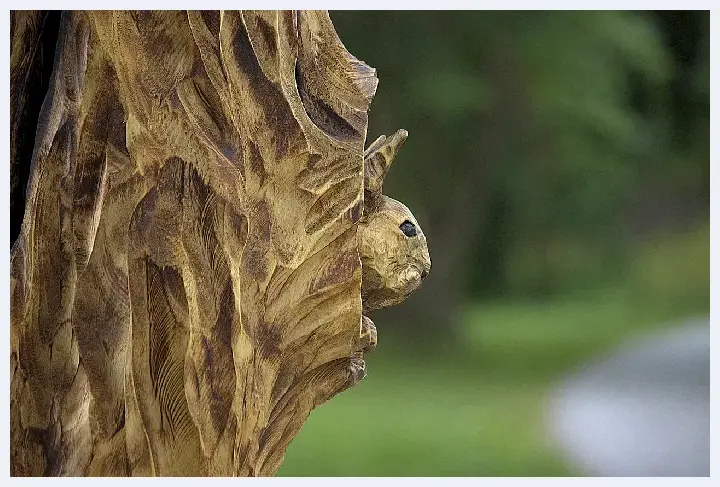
(643, 410)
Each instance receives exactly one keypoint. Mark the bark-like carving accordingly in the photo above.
(202, 233)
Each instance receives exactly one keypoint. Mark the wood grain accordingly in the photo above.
(189, 279)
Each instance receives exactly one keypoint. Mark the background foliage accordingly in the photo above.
(558, 163)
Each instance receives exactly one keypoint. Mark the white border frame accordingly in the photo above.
(371, 5)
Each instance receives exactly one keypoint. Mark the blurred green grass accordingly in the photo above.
(477, 410)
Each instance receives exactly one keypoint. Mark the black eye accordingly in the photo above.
(408, 228)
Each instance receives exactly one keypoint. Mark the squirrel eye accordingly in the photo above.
(408, 228)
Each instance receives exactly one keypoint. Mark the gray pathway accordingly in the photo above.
(643, 410)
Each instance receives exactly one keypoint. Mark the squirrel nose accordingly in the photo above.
(424, 274)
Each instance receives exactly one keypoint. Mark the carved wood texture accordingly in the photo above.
(186, 286)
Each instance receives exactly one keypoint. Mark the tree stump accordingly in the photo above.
(202, 234)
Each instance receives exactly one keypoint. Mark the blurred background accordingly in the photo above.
(558, 163)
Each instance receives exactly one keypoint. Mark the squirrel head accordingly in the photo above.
(393, 248)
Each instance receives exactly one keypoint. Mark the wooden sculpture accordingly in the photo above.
(202, 235)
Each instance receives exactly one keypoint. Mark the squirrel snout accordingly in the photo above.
(425, 266)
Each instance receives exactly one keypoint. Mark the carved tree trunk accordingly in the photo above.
(186, 285)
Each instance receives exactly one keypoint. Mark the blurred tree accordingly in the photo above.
(534, 136)
(676, 178)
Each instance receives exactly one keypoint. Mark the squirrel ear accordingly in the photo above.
(372, 147)
(378, 158)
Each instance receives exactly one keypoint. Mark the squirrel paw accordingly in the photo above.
(368, 335)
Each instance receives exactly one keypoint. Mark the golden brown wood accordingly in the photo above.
(197, 249)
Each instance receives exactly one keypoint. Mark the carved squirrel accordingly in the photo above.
(393, 248)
